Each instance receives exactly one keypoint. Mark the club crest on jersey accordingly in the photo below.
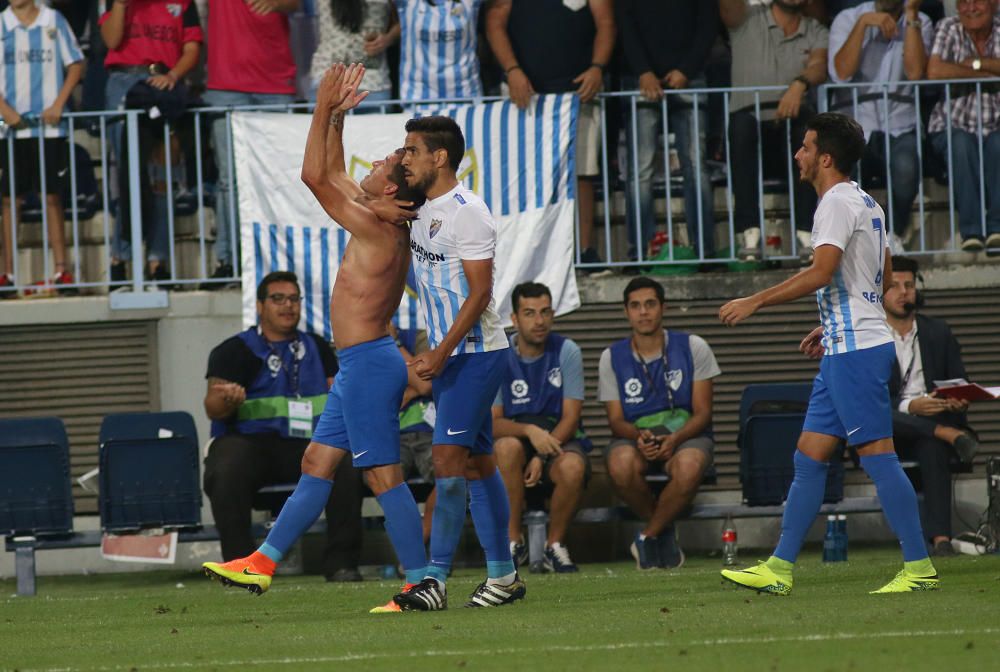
(555, 377)
(274, 364)
(674, 379)
(174, 9)
(435, 227)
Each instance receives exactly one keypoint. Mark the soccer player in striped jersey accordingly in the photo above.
(361, 415)
(41, 65)
(850, 398)
(454, 243)
(438, 42)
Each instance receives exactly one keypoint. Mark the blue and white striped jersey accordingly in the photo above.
(453, 227)
(438, 49)
(850, 307)
(34, 65)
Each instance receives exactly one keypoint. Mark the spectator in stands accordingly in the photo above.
(925, 427)
(772, 45)
(552, 46)
(536, 422)
(667, 45)
(249, 63)
(41, 64)
(656, 386)
(879, 42)
(152, 45)
(438, 45)
(968, 47)
(416, 420)
(357, 31)
(266, 389)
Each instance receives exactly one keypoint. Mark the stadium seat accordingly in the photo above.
(35, 489)
(149, 471)
(771, 418)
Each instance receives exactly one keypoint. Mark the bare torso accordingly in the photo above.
(369, 285)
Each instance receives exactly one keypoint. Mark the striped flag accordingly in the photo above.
(520, 162)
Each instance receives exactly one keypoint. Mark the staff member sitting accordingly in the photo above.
(267, 386)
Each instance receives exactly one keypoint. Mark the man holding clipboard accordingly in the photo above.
(926, 425)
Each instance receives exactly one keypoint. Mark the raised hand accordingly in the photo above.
(348, 97)
(329, 86)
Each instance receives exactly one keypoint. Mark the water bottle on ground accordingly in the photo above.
(842, 537)
(729, 548)
(830, 540)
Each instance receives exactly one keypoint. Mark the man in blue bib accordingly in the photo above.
(267, 386)
(656, 386)
(536, 422)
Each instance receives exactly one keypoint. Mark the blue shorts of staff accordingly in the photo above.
(362, 410)
(850, 396)
(463, 396)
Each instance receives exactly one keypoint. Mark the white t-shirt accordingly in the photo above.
(453, 227)
(850, 307)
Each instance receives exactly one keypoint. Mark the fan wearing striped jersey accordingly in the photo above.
(850, 396)
(454, 244)
(361, 415)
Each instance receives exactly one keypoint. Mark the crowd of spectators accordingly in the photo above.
(174, 54)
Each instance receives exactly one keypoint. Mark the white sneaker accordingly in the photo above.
(751, 244)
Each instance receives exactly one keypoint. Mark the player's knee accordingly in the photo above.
(623, 463)
(687, 472)
(569, 470)
(321, 461)
(509, 453)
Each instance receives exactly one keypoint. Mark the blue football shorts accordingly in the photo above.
(850, 395)
(463, 397)
(362, 409)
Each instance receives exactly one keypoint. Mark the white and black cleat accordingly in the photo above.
(497, 595)
(428, 595)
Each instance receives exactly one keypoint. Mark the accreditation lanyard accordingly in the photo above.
(649, 376)
(297, 348)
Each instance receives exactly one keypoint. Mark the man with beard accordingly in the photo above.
(361, 415)
(772, 45)
(850, 396)
(925, 427)
(879, 42)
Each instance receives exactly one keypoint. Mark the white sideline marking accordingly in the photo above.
(352, 657)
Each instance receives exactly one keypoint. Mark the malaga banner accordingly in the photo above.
(520, 162)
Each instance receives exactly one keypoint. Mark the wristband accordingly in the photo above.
(803, 80)
(512, 69)
(599, 66)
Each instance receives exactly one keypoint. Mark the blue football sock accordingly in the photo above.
(490, 510)
(405, 530)
(899, 503)
(297, 515)
(804, 499)
(446, 528)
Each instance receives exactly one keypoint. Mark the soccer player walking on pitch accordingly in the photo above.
(454, 243)
(361, 415)
(850, 396)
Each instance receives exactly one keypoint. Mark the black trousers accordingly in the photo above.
(239, 464)
(914, 439)
(743, 133)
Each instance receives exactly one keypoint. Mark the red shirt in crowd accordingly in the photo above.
(155, 32)
(248, 52)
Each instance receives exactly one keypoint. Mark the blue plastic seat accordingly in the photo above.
(771, 418)
(35, 490)
(149, 471)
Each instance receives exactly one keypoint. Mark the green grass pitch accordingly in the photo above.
(608, 617)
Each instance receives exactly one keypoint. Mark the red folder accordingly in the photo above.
(969, 392)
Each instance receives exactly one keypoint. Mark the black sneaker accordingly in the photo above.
(966, 446)
(519, 553)
(221, 272)
(495, 595)
(646, 552)
(428, 595)
(671, 555)
(557, 560)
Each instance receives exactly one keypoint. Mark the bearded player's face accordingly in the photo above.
(420, 164)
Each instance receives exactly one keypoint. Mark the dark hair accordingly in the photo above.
(905, 265)
(839, 136)
(528, 290)
(348, 13)
(642, 282)
(275, 276)
(406, 192)
(440, 133)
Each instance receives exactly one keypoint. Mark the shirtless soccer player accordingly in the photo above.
(362, 411)
(850, 396)
(454, 242)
